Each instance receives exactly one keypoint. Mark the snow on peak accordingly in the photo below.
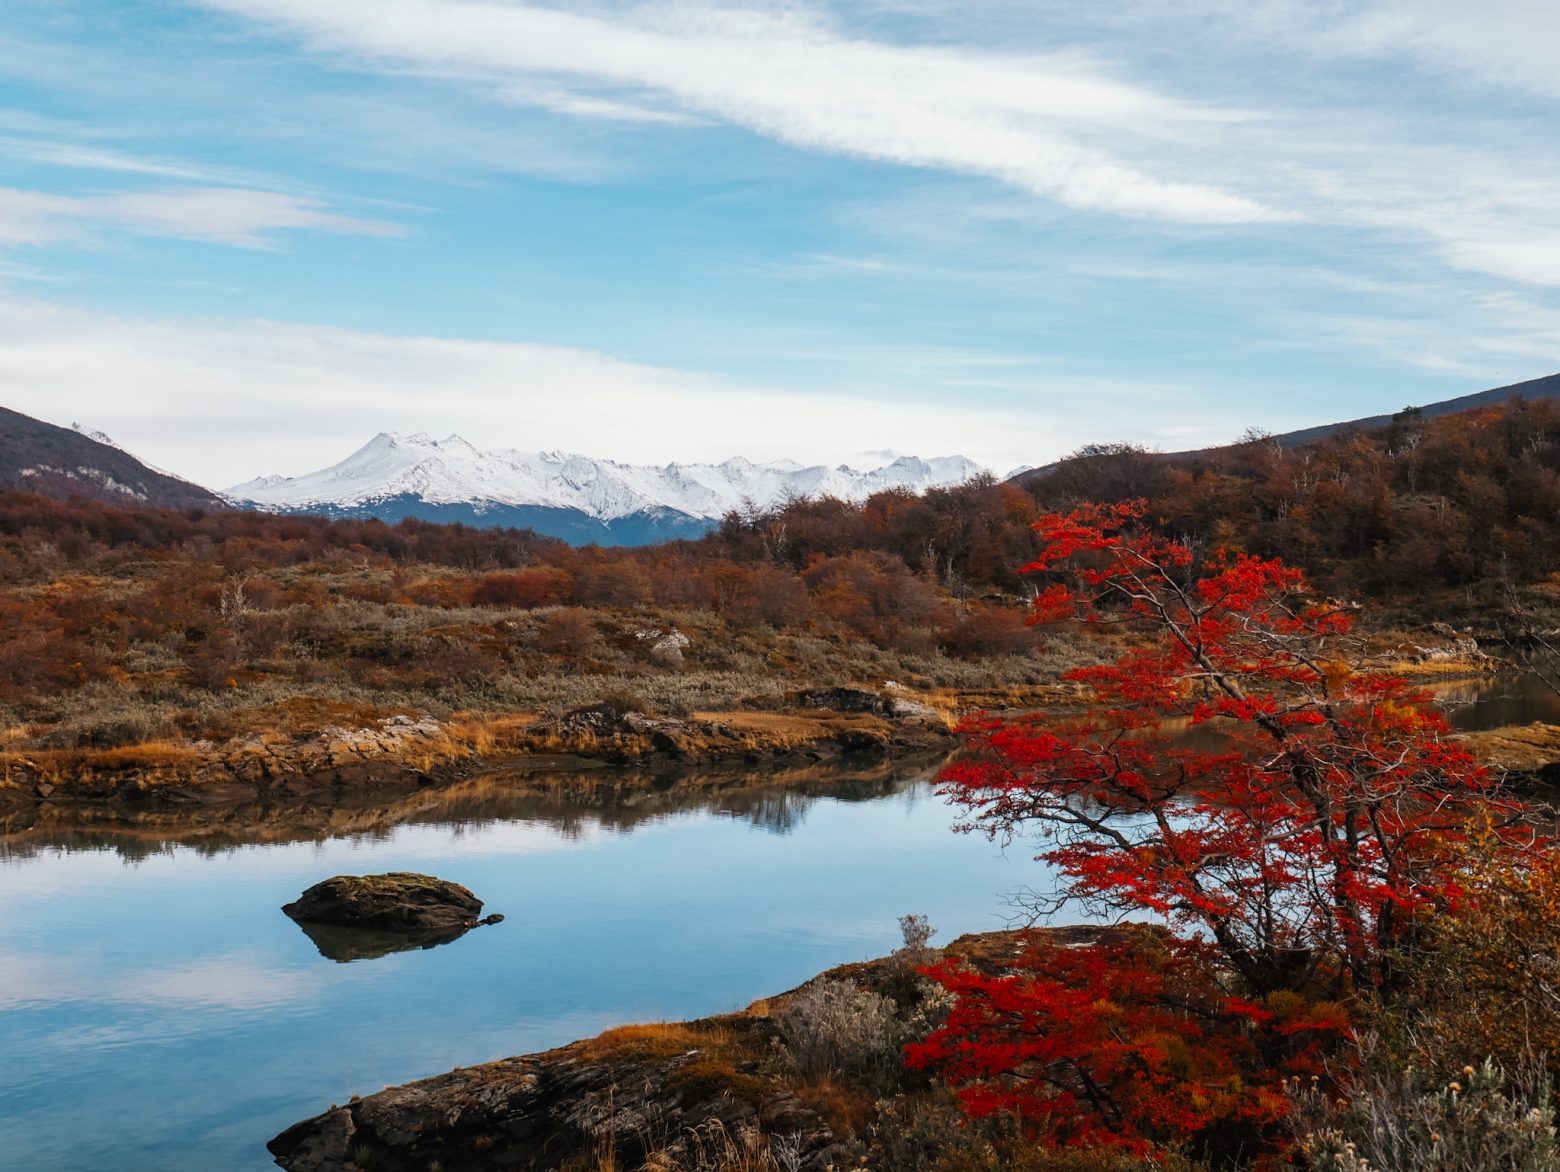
(101, 437)
(453, 471)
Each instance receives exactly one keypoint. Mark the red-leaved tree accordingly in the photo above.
(1234, 780)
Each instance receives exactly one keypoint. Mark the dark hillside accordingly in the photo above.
(58, 462)
(1547, 387)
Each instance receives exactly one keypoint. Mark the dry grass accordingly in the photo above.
(652, 1040)
(847, 1109)
(791, 729)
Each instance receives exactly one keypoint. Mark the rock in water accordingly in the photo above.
(402, 901)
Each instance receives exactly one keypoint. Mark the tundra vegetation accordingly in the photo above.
(142, 632)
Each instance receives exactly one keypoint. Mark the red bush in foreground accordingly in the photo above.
(1130, 1042)
(1289, 847)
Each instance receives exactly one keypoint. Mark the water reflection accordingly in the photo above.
(145, 969)
(573, 805)
(344, 945)
(1498, 701)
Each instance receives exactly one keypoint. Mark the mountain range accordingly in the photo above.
(577, 498)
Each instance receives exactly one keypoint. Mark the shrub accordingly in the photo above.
(832, 1028)
(1501, 938)
(929, 1133)
(525, 589)
(1480, 1121)
(1130, 1041)
(214, 661)
(990, 630)
(570, 632)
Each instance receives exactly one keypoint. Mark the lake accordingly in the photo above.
(158, 1011)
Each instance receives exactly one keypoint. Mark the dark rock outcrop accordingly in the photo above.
(846, 699)
(614, 1100)
(402, 901)
(537, 1111)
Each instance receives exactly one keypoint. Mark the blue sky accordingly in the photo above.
(242, 236)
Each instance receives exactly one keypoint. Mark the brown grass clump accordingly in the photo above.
(651, 1040)
(847, 1109)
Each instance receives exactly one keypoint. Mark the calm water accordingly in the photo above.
(157, 1010)
(1499, 701)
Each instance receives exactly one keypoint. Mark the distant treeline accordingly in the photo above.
(1447, 501)
(1468, 498)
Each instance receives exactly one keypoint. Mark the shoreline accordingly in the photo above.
(402, 752)
(640, 1090)
(620, 797)
(409, 750)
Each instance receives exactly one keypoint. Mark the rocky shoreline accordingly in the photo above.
(548, 792)
(404, 752)
(628, 1094)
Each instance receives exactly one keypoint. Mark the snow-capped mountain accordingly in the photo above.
(571, 496)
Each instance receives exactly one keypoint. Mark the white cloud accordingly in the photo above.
(233, 981)
(229, 215)
(220, 403)
(1505, 43)
(1476, 189)
(92, 158)
(1016, 118)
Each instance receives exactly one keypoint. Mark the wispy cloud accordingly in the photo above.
(1062, 124)
(1013, 118)
(1508, 44)
(76, 155)
(226, 215)
(232, 981)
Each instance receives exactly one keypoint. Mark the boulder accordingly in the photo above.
(846, 699)
(402, 901)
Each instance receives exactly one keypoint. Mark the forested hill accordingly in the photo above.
(1420, 503)
(59, 462)
(1533, 390)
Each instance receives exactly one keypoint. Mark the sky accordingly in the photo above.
(244, 236)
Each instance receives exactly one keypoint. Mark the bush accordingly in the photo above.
(1388, 1122)
(570, 632)
(1501, 940)
(931, 1133)
(990, 630)
(833, 1029)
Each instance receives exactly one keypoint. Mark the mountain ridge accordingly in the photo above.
(65, 462)
(567, 495)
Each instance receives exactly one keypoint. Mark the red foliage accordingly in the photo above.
(1288, 844)
(1128, 1042)
(1310, 826)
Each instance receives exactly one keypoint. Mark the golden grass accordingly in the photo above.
(1443, 668)
(790, 729)
(662, 1039)
(487, 733)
